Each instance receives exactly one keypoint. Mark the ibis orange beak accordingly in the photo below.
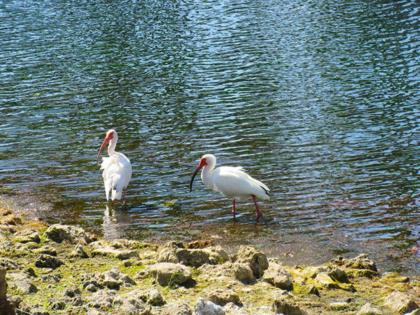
(104, 143)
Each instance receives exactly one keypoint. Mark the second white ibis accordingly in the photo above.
(232, 182)
(116, 168)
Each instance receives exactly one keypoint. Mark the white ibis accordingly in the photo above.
(232, 182)
(116, 168)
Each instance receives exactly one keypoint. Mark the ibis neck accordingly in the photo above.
(206, 176)
(111, 147)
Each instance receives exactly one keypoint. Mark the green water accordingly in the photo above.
(318, 99)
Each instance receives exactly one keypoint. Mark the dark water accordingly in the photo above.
(318, 99)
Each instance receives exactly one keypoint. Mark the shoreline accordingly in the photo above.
(63, 269)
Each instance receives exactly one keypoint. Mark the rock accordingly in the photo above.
(56, 304)
(231, 308)
(339, 306)
(359, 266)
(79, 252)
(323, 280)
(278, 276)
(104, 249)
(400, 303)
(224, 296)
(395, 277)
(368, 309)
(176, 253)
(74, 234)
(72, 292)
(48, 250)
(256, 260)
(154, 297)
(47, 261)
(51, 278)
(338, 275)
(176, 309)
(112, 279)
(208, 308)
(286, 305)
(30, 272)
(104, 299)
(243, 273)
(133, 303)
(22, 282)
(415, 312)
(8, 264)
(28, 236)
(168, 274)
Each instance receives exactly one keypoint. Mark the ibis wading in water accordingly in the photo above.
(116, 168)
(232, 182)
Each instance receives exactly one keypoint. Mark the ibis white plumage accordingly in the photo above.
(232, 182)
(116, 168)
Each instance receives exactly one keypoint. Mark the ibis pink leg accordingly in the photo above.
(234, 208)
(259, 215)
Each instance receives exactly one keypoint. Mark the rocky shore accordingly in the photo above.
(61, 269)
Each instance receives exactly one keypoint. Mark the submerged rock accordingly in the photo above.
(278, 276)
(208, 308)
(74, 234)
(400, 303)
(256, 260)
(368, 309)
(170, 274)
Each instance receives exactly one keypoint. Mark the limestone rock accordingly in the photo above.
(323, 280)
(339, 306)
(224, 296)
(400, 303)
(170, 273)
(208, 308)
(134, 303)
(105, 249)
(155, 298)
(256, 260)
(243, 273)
(48, 250)
(28, 236)
(286, 305)
(59, 233)
(278, 276)
(47, 261)
(79, 252)
(104, 299)
(176, 253)
(176, 309)
(359, 266)
(22, 282)
(368, 309)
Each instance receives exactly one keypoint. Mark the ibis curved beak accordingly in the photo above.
(104, 143)
(198, 168)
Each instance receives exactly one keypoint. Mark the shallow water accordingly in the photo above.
(318, 99)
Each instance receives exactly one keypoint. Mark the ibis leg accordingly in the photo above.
(234, 208)
(257, 209)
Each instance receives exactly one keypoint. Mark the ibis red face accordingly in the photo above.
(202, 163)
(108, 137)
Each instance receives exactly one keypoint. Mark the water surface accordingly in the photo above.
(318, 99)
